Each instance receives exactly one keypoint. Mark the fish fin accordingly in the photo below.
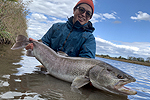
(42, 72)
(22, 38)
(21, 42)
(80, 81)
(62, 53)
(76, 90)
(40, 66)
(30, 53)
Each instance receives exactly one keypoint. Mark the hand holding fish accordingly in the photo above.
(30, 46)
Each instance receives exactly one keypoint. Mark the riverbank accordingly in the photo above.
(124, 60)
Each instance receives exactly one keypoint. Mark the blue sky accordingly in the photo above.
(127, 29)
(122, 26)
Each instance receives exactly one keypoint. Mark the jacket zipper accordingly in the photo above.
(66, 40)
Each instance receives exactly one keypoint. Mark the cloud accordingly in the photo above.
(109, 16)
(95, 18)
(136, 49)
(141, 16)
(55, 8)
(104, 16)
(39, 25)
(39, 17)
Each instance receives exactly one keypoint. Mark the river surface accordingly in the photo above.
(19, 80)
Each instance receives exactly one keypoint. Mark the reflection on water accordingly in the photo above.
(19, 81)
(47, 87)
(7, 58)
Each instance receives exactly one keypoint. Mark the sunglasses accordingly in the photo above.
(82, 10)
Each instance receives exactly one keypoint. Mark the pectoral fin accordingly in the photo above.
(42, 68)
(80, 81)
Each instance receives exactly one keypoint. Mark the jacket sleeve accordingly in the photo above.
(46, 39)
(88, 49)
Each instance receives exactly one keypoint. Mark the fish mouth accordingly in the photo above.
(123, 89)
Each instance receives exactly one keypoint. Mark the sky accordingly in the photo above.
(121, 26)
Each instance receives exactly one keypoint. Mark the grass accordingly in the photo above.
(6, 38)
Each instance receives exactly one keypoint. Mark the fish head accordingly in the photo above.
(106, 77)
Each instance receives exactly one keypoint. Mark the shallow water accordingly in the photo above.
(18, 80)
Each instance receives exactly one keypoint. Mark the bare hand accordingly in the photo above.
(30, 46)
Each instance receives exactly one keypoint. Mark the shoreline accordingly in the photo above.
(129, 61)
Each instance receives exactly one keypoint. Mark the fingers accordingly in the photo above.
(30, 39)
(29, 46)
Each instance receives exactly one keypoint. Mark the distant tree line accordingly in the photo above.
(140, 59)
(12, 20)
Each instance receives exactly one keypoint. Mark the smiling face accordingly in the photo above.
(81, 17)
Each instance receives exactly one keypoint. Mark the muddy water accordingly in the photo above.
(18, 80)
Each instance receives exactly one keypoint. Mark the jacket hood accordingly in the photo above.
(86, 27)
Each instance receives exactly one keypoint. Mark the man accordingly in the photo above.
(74, 37)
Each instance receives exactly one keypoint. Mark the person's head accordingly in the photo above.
(83, 11)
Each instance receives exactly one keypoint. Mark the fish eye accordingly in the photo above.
(119, 76)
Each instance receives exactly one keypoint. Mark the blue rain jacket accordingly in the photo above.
(76, 40)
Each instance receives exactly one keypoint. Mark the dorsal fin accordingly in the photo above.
(62, 53)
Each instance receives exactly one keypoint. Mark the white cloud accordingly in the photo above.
(141, 16)
(39, 17)
(109, 16)
(95, 18)
(39, 25)
(104, 16)
(57, 8)
(136, 49)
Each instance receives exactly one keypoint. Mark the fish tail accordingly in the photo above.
(21, 42)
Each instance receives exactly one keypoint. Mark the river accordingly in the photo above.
(19, 80)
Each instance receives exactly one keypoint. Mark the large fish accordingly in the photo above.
(79, 71)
